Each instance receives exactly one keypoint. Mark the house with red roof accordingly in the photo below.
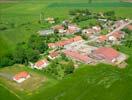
(41, 64)
(64, 42)
(59, 28)
(88, 32)
(22, 76)
(77, 56)
(107, 54)
(116, 36)
(102, 38)
(129, 27)
(72, 28)
(53, 55)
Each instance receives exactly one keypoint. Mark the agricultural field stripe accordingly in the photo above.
(11, 92)
(105, 4)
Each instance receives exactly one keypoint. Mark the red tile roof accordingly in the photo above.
(40, 63)
(20, 75)
(117, 34)
(54, 54)
(102, 38)
(58, 27)
(65, 42)
(51, 44)
(76, 55)
(129, 27)
(106, 53)
(72, 29)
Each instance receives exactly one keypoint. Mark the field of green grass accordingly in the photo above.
(21, 17)
(4, 93)
(102, 82)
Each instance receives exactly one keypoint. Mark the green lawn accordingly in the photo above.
(4, 93)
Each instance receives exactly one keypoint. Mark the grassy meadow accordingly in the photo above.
(101, 82)
(21, 17)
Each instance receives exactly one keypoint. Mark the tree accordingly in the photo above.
(69, 68)
(32, 55)
(109, 13)
(23, 54)
(37, 43)
(6, 61)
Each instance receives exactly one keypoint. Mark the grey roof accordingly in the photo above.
(45, 32)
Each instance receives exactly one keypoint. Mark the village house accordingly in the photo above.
(53, 55)
(22, 76)
(50, 20)
(41, 64)
(64, 42)
(90, 32)
(96, 29)
(119, 23)
(102, 38)
(59, 28)
(129, 27)
(109, 55)
(72, 28)
(45, 32)
(116, 36)
(77, 56)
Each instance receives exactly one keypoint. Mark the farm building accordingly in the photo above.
(72, 29)
(116, 36)
(53, 55)
(119, 23)
(77, 56)
(65, 42)
(129, 27)
(45, 32)
(102, 38)
(108, 54)
(96, 29)
(41, 64)
(88, 32)
(22, 76)
(59, 28)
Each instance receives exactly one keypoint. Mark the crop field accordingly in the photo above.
(106, 4)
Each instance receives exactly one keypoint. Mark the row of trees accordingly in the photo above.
(85, 14)
(128, 37)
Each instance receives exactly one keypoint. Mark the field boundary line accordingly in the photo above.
(11, 92)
